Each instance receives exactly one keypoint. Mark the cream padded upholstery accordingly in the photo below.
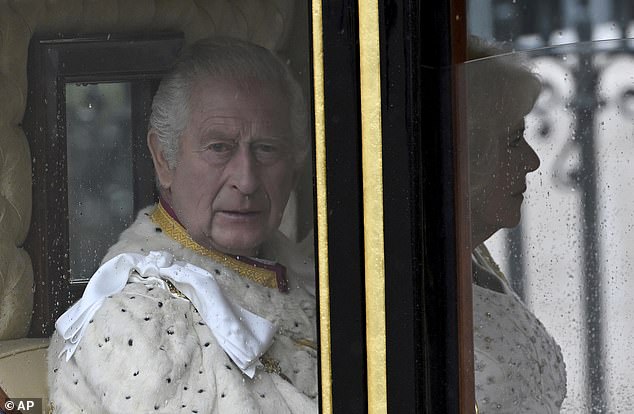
(23, 368)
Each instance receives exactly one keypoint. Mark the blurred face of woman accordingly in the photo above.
(235, 168)
(497, 202)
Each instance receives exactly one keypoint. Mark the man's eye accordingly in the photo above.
(268, 152)
(267, 148)
(220, 147)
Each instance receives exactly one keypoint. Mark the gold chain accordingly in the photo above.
(173, 229)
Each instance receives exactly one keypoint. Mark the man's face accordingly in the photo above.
(235, 168)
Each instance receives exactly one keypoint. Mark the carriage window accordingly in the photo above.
(86, 122)
(551, 138)
(98, 139)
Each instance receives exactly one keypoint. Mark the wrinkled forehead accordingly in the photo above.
(251, 103)
(241, 87)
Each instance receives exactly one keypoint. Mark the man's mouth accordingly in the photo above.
(240, 213)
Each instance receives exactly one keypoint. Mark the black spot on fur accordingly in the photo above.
(158, 230)
(136, 373)
(206, 344)
(160, 304)
(169, 380)
(107, 339)
(216, 271)
(127, 397)
(130, 342)
(170, 331)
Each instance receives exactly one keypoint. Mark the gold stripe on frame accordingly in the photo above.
(322, 211)
(372, 168)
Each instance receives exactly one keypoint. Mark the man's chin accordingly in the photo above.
(239, 245)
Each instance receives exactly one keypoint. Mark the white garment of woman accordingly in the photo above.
(519, 367)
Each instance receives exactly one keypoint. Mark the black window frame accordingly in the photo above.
(54, 61)
(428, 310)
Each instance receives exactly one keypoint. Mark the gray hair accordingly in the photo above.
(500, 91)
(223, 58)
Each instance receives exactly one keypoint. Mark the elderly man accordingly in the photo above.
(199, 308)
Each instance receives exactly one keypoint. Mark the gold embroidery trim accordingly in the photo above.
(174, 230)
(305, 342)
(272, 366)
(489, 261)
(174, 291)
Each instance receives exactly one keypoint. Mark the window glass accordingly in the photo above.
(529, 24)
(99, 140)
(569, 257)
(551, 184)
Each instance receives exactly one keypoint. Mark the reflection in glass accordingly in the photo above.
(570, 257)
(100, 199)
(518, 364)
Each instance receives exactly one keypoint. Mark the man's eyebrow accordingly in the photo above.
(272, 137)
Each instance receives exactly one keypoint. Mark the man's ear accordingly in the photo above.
(300, 169)
(161, 166)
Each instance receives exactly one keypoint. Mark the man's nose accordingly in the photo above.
(243, 172)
